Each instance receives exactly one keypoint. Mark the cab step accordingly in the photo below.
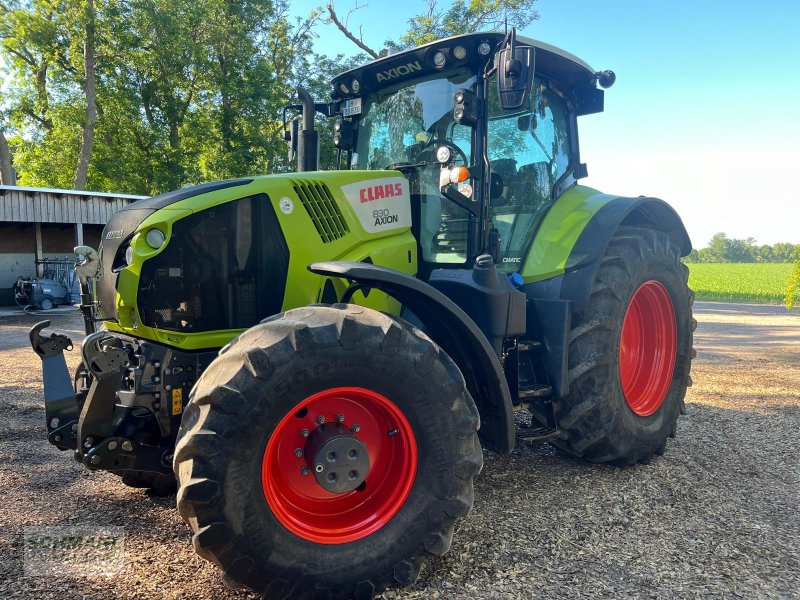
(536, 390)
(535, 435)
(528, 345)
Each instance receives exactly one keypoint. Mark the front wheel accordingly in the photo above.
(326, 453)
(630, 353)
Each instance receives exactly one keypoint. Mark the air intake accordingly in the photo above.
(321, 207)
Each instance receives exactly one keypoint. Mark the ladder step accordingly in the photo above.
(526, 345)
(537, 390)
(532, 435)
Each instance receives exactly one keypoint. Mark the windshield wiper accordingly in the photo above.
(401, 166)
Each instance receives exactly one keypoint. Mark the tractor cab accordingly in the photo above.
(484, 128)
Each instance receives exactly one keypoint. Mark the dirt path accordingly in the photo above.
(716, 515)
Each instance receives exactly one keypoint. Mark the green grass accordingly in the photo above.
(740, 282)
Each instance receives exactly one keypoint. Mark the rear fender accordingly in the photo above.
(458, 335)
(579, 225)
(580, 266)
(573, 284)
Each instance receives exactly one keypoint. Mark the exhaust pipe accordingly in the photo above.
(308, 142)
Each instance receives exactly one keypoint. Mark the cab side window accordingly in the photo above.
(529, 151)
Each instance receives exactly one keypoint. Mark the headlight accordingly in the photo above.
(155, 238)
(128, 255)
(439, 59)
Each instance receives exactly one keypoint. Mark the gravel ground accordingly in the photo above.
(717, 515)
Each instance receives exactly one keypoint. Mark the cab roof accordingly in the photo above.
(554, 63)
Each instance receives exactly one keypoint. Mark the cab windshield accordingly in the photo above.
(404, 126)
(400, 126)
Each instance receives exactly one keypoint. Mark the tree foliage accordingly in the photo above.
(465, 16)
(143, 96)
(437, 21)
(722, 249)
(186, 91)
(793, 285)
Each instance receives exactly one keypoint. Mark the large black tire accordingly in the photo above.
(596, 420)
(255, 384)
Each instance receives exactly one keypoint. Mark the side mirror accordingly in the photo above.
(514, 75)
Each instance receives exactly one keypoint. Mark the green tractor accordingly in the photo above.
(313, 360)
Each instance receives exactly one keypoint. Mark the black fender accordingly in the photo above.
(455, 332)
(574, 286)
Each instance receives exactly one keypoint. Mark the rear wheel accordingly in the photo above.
(630, 353)
(326, 453)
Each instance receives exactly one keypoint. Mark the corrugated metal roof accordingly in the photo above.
(45, 205)
(72, 192)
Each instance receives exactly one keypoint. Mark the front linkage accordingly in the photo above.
(124, 410)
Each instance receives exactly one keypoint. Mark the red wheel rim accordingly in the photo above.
(647, 348)
(307, 509)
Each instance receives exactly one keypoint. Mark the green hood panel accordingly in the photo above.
(338, 215)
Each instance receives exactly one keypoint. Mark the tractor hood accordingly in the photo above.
(194, 267)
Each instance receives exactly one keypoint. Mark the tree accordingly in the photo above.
(764, 254)
(460, 16)
(740, 251)
(90, 94)
(466, 16)
(50, 47)
(721, 248)
(143, 96)
(7, 175)
(717, 249)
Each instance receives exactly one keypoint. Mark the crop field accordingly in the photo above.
(740, 282)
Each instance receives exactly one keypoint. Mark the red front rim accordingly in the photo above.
(647, 348)
(315, 514)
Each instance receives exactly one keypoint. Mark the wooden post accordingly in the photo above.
(38, 255)
(79, 234)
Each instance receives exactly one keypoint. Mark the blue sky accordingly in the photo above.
(705, 113)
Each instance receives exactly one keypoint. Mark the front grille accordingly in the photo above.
(322, 208)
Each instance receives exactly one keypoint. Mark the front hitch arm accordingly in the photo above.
(60, 401)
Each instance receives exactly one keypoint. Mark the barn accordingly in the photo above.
(40, 227)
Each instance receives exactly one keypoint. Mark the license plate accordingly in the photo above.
(351, 107)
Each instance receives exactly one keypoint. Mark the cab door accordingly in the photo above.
(529, 153)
